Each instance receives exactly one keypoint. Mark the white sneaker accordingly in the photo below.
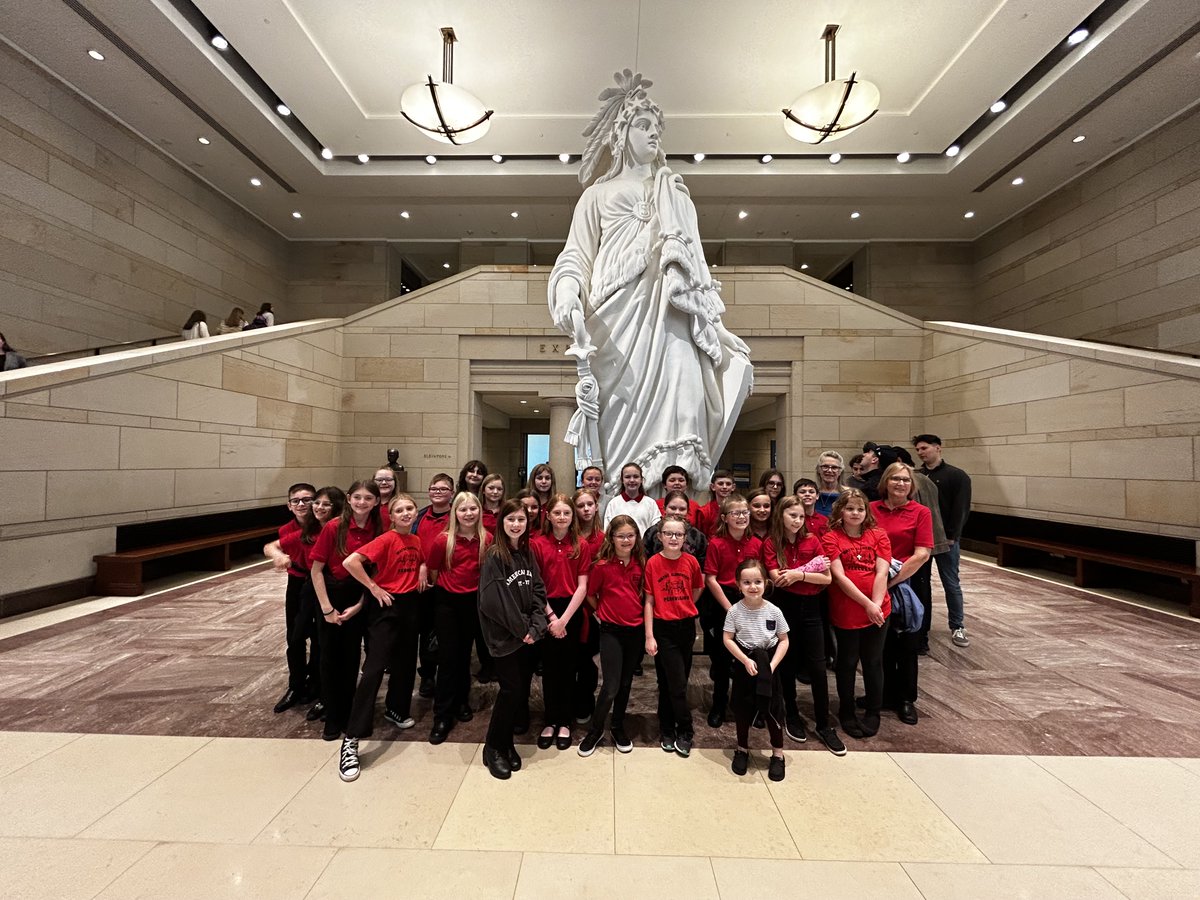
(959, 637)
(348, 763)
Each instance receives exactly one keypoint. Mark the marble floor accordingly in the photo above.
(1057, 756)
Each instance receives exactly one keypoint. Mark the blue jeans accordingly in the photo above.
(947, 566)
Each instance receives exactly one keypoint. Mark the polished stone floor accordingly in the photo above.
(1057, 756)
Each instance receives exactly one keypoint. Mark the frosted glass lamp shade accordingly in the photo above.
(445, 112)
(831, 111)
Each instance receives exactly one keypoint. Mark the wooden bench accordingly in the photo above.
(120, 574)
(1090, 563)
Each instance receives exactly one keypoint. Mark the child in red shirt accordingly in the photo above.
(709, 515)
(673, 584)
(290, 554)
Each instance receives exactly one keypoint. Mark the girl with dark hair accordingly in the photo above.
(470, 478)
(196, 326)
(543, 485)
(772, 481)
(512, 601)
(289, 553)
(591, 537)
(386, 479)
(328, 505)
(341, 600)
(675, 505)
(235, 323)
(491, 493)
(762, 505)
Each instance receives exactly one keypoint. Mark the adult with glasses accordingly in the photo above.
(386, 479)
(430, 522)
(289, 553)
(831, 469)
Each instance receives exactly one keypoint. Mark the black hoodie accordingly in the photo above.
(512, 602)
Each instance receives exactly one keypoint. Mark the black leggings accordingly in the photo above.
(587, 676)
(855, 645)
(456, 617)
(806, 653)
(513, 672)
(341, 649)
(560, 656)
(900, 659)
(393, 633)
(712, 621)
(303, 655)
(673, 666)
(621, 649)
(745, 707)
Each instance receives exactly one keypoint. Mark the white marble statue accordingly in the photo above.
(662, 381)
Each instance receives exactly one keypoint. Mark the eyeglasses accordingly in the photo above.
(777, 484)
(322, 504)
(439, 490)
(829, 467)
(300, 501)
(385, 480)
(738, 514)
(672, 535)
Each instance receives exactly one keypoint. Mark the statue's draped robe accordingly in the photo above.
(671, 378)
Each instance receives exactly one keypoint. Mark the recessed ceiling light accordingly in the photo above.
(283, 110)
(564, 157)
(537, 410)
(404, 214)
(326, 153)
(766, 158)
(96, 55)
(497, 158)
(698, 157)
(1079, 139)
(803, 267)
(855, 214)
(515, 214)
(296, 214)
(219, 42)
(364, 158)
(742, 214)
(953, 150)
(1018, 181)
(523, 402)
(903, 157)
(205, 141)
(431, 159)
(835, 158)
(445, 265)
(969, 214)
(1078, 36)
(256, 182)
(998, 107)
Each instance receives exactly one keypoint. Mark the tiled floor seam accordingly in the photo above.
(42, 756)
(449, 806)
(325, 868)
(154, 845)
(517, 880)
(1096, 869)
(892, 756)
(1113, 818)
(779, 812)
(907, 874)
(316, 774)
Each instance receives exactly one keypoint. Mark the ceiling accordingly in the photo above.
(722, 72)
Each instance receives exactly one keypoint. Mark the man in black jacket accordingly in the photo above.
(954, 500)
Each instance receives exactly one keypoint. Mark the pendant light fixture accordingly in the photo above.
(835, 108)
(443, 110)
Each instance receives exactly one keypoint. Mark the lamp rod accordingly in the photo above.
(829, 36)
(448, 41)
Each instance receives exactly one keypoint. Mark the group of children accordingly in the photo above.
(546, 582)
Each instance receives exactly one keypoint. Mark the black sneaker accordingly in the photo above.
(830, 739)
(464, 714)
(289, 699)
(401, 722)
(795, 729)
(667, 742)
(331, 733)
(317, 711)
(870, 724)
(683, 746)
(428, 687)
(590, 742)
(621, 740)
(439, 732)
(741, 762)
(775, 769)
(715, 720)
(348, 762)
(853, 727)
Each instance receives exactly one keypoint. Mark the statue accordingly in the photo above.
(661, 380)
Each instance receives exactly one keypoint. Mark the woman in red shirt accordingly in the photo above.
(859, 606)
(587, 676)
(392, 623)
(340, 600)
(290, 554)
(564, 566)
(731, 545)
(452, 562)
(615, 592)
(799, 569)
(673, 583)
(909, 527)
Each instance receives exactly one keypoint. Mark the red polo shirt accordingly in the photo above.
(325, 548)
(431, 524)
(795, 554)
(291, 541)
(672, 583)
(817, 524)
(617, 587)
(725, 555)
(707, 517)
(560, 572)
(462, 575)
(858, 556)
(693, 509)
(908, 527)
(397, 559)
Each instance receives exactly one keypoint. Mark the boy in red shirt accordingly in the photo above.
(709, 515)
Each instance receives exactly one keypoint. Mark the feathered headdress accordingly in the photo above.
(607, 129)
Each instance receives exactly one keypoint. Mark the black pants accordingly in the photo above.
(303, 655)
(456, 617)
(482, 651)
(560, 657)
(900, 658)
(855, 645)
(621, 649)
(427, 646)
(587, 676)
(806, 653)
(712, 621)
(745, 706)
(673, 666)
(393, 633)
(341, 647)
(513, 672)
(921, 581)
(830, 640)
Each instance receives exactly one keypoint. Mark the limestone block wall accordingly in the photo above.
(332, 279)
(923, 279)
(160, 433)
(1114, 255)
(1068, 431)
(105, 239)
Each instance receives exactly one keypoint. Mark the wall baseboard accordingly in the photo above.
(42, 597)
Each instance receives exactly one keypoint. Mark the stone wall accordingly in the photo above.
(333, 279)
(103, 238)
(1115, 255)
(928, 280)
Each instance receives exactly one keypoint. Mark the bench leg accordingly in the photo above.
(1006, 555)
(119, 578)
(1194, 609)
(1084, 573)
